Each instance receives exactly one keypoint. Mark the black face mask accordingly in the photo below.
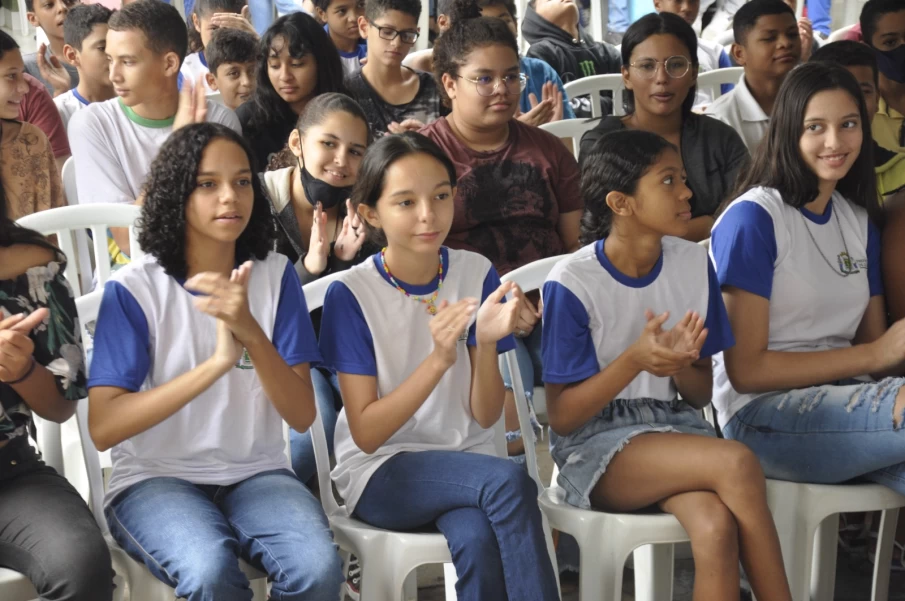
(892, 63)
(318, 191)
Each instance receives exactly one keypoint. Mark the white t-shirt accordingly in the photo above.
(768, 248)
(195, 66)
(371, 328)
(149, 332)
(711, 56)
(739, 109)
(593, 312)
(67, 105)
(113, 148)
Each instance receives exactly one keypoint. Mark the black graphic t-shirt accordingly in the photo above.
(426, 106)
(509, 200)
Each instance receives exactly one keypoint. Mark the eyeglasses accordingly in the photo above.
(676, 67)
(514, 84)
(390, 34)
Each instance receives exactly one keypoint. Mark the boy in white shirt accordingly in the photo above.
(85, 33)
(340, 18)
(115, 141)
(768, 46)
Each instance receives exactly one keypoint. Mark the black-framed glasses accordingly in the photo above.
(390, 34)
(676, 67)
(513, 83)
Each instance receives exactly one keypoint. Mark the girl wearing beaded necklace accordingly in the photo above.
(414, 335)
(798, 260)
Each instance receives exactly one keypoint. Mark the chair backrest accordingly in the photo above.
(570, 128)
(712, 80)
(82, 251)
(315, 292)
(612, 82)
(65, 221)
(839, 34)
(528, 277)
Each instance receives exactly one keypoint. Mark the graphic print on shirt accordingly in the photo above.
(506, 209)
(587, 68)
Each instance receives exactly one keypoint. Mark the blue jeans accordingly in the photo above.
(191, 536)
(261, 12)
(327, 397)
(486, 507)
(826, 434)
(528, 356)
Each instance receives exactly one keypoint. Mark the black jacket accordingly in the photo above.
(712, 152)
(572, 59)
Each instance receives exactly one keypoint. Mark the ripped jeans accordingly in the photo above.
(826, 434)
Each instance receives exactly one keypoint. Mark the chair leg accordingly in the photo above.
(449, 581)
(823, 568)
(600, 575)
(378, 582)
(410, 587)
(882, 562)
(654, 565)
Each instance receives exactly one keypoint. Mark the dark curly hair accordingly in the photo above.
(451, 49)
(615, 163)
(170, 184)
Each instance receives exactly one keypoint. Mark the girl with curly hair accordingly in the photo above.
(414, 441)
(630, 322)
(202, 349)
(46, 531)
(297, 61)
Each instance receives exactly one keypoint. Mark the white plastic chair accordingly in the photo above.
(387, 557)
(16, 587)
(605, 539)
(714, 79)
(839, 34)
(64, 221)
(143, 586)
(570, 128)
(611, 82)
(83, 254)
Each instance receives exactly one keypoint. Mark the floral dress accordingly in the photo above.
(58, 343)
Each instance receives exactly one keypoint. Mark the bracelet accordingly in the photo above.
(31, 370)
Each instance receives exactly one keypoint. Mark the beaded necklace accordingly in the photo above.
(429, 300)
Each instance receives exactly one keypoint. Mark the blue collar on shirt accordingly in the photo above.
(819, 219)
(202, 59)
(410, 288)
(79, 97)
(620, 277)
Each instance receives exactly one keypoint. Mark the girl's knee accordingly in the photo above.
(713, 531)
(741, 467)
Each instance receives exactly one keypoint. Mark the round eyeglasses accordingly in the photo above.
(675, 66)
(390, 34)
(514, 83)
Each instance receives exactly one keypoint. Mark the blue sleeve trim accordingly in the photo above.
(122, 344)
(719, 332)
(567, 348)
(346, 341)
(874, 273)
(491, 283)
(725, 63)
(743, 246)
(293, 333)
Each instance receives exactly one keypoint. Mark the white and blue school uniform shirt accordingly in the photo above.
(68, 104)
(370, 328)
(149, 332)
(593, 312)
(351, 60)
(763, 246)
(193, 67)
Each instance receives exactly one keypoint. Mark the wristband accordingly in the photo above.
(31, 369)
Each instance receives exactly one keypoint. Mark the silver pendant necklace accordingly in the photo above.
(846, 257)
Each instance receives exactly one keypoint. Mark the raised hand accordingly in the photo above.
(447, 327)
(653, 352)
(540, 113)
(404, 126)
(16, 348)
(497, 319)
(228, 350)
(53, 72)
(687, 335)
(351, 237)
(192, 103)
(806, 33)
(318, 245)
(551, 91)
(236, 21)
(227, 300)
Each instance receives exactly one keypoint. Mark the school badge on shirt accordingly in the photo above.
(850, 266)
(244, 361)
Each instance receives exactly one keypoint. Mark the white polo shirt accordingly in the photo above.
(741, 111)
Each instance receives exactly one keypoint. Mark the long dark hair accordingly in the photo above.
(615, 163)
(10, 232)
(206, 8)
(170, 183)
(380, 157)
(659, 24)
(303, 36)
(777, 161)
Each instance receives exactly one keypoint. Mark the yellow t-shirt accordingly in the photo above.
(887, 128)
